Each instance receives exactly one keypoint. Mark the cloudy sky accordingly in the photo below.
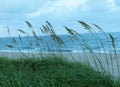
(13, 13)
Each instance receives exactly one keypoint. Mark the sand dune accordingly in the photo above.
(107, 61)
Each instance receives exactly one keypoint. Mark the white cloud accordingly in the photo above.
(40, 12)
(112, 5)
(60, 6)
(69, 4)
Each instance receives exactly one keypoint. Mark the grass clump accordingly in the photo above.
(50, 72)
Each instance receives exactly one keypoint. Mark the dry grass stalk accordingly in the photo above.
(29, 24)
(98, 27)
(70, 31)
(10, 46)
(14, 40)
(113, 42)
(35, 35)
(20, 37)
(22, 31)
(85, 25)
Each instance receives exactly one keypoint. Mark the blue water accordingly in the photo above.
(97, 42)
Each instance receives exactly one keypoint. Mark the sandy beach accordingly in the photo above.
(108, 61)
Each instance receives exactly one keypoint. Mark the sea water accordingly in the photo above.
(87, 42)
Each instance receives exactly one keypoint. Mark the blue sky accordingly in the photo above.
(13, 13)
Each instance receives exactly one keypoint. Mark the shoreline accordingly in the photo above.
(108, 61)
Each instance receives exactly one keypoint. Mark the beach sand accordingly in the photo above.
(108, 61)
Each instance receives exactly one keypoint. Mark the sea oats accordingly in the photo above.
(29, 24)
(113, 42)
(57, 39)
(8, 30)
(10, 46)
(31, 43)
(85, 25)
(14, 40)
(70, 31)
(48, 28)
(20, 37)
(22, 31)
(45, 30)
(42, 30)
(98, 27)
(35, 35)
(115, 52)
(49, 24)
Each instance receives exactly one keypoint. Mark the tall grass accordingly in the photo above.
(50, 72)
(99, 42)
(99, 64)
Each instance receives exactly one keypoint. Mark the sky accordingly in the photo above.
(14, 13)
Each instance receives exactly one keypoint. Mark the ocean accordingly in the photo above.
(86, 42)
